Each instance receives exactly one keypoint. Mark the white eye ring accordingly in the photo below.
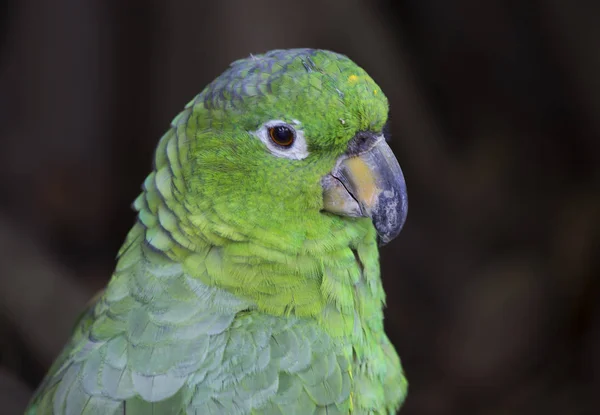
(298, 150)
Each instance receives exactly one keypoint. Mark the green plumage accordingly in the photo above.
(235, 293)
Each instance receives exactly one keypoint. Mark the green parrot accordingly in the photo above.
(250, 282)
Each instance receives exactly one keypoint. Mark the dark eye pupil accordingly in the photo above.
(282, 135)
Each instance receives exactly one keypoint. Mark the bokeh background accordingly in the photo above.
(493, 286)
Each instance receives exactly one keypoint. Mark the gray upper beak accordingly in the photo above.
(368, 182)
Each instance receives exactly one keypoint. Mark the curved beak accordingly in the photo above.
(367, 182)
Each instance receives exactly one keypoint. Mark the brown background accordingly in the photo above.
(493, 286)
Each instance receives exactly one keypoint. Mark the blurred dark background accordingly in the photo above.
(493, 286)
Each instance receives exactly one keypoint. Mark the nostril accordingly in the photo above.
(361, 142)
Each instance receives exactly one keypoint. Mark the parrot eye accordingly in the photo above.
(283, 139)
(282, 135)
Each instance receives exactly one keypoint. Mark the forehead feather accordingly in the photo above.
(313, 71)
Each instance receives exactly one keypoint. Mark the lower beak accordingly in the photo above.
(369, 184)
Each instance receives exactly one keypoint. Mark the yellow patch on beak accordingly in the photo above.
(364, 182)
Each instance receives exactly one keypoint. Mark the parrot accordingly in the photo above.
(250, 280)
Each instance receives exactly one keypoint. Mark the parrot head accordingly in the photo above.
(286, 146)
